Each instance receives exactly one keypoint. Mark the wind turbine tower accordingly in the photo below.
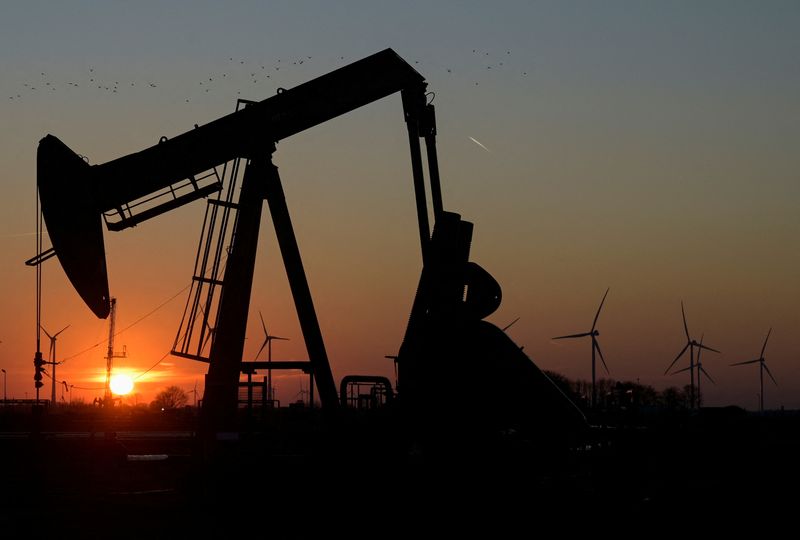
(53, 362)
(268, 344)
(762, 366)
(700, 372)
(690, 345)
(593, 333)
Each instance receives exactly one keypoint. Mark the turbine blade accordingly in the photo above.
(700, 345)
(278, 338)
(676, 358)
(685, 326)
(509, 325)
(770, 373)
(262, 348)
(574, 336)
(205, 341)
(56, 334)
(597, 346)
(45, 331)
(748, 362)
(707, 375)
(594, 323)
(706, 347)
(687, 368)
(264, 326)
(765, 343)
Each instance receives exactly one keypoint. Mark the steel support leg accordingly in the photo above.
(222, 382)
(298, 283)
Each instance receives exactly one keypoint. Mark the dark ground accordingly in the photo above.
(297, 474)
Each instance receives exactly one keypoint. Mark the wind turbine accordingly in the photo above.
(194, 391)
(690, 345)
(762, 366)
(302, 393)
(52, 361)
(595, 347)
(700, 370)
(209, 331)
(268, 344)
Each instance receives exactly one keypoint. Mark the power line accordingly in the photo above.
(151, 367)
(87, 387)
(102, 388)
(71, 385)
(134, 323)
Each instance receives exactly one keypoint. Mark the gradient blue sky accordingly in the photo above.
(646, 146)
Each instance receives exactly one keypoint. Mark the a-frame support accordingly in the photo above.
(261, 181)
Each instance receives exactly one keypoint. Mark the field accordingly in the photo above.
(299, 473)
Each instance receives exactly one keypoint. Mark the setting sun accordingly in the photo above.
(121, 384)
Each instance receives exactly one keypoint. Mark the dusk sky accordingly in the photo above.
(649, 147)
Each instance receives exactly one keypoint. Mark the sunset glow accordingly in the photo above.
(121, 384)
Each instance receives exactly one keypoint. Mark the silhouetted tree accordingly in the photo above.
(673, 398)
(172, 397)
(646, 395)
(622, 395)
(583, 390)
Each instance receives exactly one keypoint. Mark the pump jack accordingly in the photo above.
(446, 345)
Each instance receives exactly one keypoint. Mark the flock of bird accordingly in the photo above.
(695, 367)
(95, 79)
(242, 75)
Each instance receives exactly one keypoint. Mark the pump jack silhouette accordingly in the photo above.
(446, 340)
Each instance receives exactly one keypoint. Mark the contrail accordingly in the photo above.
(479, 143)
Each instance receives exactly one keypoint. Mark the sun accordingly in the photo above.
(121, 384)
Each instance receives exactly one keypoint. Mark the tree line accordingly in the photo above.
(624, 395)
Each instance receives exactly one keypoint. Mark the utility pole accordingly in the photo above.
(108, 400)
